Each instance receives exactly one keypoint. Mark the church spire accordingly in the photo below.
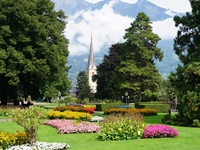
(92, 70)
(91, 62)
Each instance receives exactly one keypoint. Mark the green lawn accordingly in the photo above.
(188, 138)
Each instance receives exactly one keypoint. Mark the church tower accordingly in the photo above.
(92, 70)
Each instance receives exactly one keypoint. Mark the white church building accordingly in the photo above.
(92, 70)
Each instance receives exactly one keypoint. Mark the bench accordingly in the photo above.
(10, 102)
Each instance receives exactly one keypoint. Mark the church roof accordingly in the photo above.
(91, 62)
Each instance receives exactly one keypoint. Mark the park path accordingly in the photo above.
(6, 119)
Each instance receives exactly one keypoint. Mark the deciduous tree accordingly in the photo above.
(33, 49)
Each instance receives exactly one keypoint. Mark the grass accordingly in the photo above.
(188, 138)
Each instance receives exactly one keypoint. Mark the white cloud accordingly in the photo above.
(93, 1)
(130, 1)
(109, 28)
(165, 29)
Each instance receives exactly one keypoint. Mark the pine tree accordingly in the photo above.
(137, 73)
(186, 79)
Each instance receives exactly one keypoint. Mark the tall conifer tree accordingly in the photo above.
(137, 73)
(186, 79)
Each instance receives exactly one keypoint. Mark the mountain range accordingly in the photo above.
(156, 13)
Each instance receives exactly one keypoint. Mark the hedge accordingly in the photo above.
(161, 108)
(102, 107)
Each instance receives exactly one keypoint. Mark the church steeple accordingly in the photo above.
(92, 70)
(91, 62)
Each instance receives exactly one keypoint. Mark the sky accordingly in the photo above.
(108, 28)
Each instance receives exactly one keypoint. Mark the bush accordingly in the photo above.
(161, 108)
(144, 111)
(129, 126)
(103, 107)
(30, 119)
(159, 131)
(5, 110)
(69, 115)
(8, 139)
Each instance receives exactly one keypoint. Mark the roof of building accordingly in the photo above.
(91, 62)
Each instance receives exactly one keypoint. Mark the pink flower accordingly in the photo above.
(159, 131)
(70, 126)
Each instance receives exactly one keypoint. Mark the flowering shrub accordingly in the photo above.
(159, 131)
(69, 115)
(30, 119)
(144, 111)
(70, 126)
(5, 111)
(118, 127)
(8, 139)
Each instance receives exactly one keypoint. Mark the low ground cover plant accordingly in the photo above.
(69, 115)
(121, 127)
(72, 126)
(41, 146)
(143, 111)
(159, 131)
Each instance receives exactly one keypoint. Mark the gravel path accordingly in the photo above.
(6, 119)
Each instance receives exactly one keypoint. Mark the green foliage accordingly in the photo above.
(144, 111)
(161, 108)
(130, 66)
(4, 112)
(167, 91)
(106, 72)
(102, 107)
(186, 79)
(83, 87)
(137, 72)
(30, 119)
(189, 108)
(33, 49)
(130, 126)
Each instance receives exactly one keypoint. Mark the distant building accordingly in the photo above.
(91, 73)
(92, 70)
(74, 90)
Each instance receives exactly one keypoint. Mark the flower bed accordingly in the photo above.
(10, 139)
(41, 146)
(118, 127)
(69, 115)
(71, 126)
(159, 131)
(76, 108)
